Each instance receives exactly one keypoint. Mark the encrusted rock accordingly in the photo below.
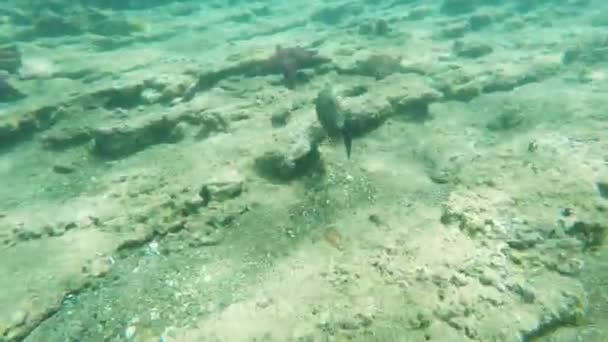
(365, 112)
(378, 66)
(8, 93)
(378, 27)
(295, 156)
(589, 51)
(18, 126)
(66, 138)
(455, 7)
(280, 118)
(508, 119)
(602, 188)
(412, 98)
(471, 49)
(419, 12)
(63, 168)
(333, 15)
(53, 25)
(10, 58)
(479, 21)
(220, 191)
(592, 234)
(454, 30)
(115, 27)
(121, 141)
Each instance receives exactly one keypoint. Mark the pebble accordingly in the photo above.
(19, 318)
(130, 332)
(63, 169)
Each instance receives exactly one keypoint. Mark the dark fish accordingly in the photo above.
(332, 118)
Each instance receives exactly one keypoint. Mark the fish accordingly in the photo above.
(335, 122)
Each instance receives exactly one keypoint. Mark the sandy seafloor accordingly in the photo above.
(159, 181)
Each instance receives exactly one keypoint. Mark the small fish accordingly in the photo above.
(333, 119)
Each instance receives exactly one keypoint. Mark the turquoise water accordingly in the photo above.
(303, 171)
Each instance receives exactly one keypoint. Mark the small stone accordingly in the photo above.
(602, 188)
(471, 49)
(526, 294)
(63, 169)
(280, 118)
(54, 231)
(293, 157)
(19, 318)
(421, 321)
(454, 30)
(220, 191)
(8, 93)
(27, 234)
(456, 7)
(458, 280)
(479, 21)
(130, 332)
(592, 234)
(419, 13)
(486, 280)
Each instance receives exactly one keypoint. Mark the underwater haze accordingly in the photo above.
(307, 171)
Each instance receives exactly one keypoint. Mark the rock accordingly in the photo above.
(602, 188)
(8, 93)
(412, 99)
(377, 66)
(66, 138)
(454, 30)
(210, 237)
(525, 240)
(18, 126)
(526, 294)
(600, 19)
(287, 61)
(220, 191)
(53, 25)
(25, 234)
(130, 5)
(419, 13)
(121, 141)
(420, 321)
(375, 27)
(123, 96)
(115, 27)
(508, 119)
(333, 15)
(589, 51)
(296, 155)
(130, 332)
(365, 113)
(471, 49)
(280, 118)
(569, 313)
(456, 7)
(592, 234)
(10, 58)
(480, 21)
(209, 123)
(63, 169)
